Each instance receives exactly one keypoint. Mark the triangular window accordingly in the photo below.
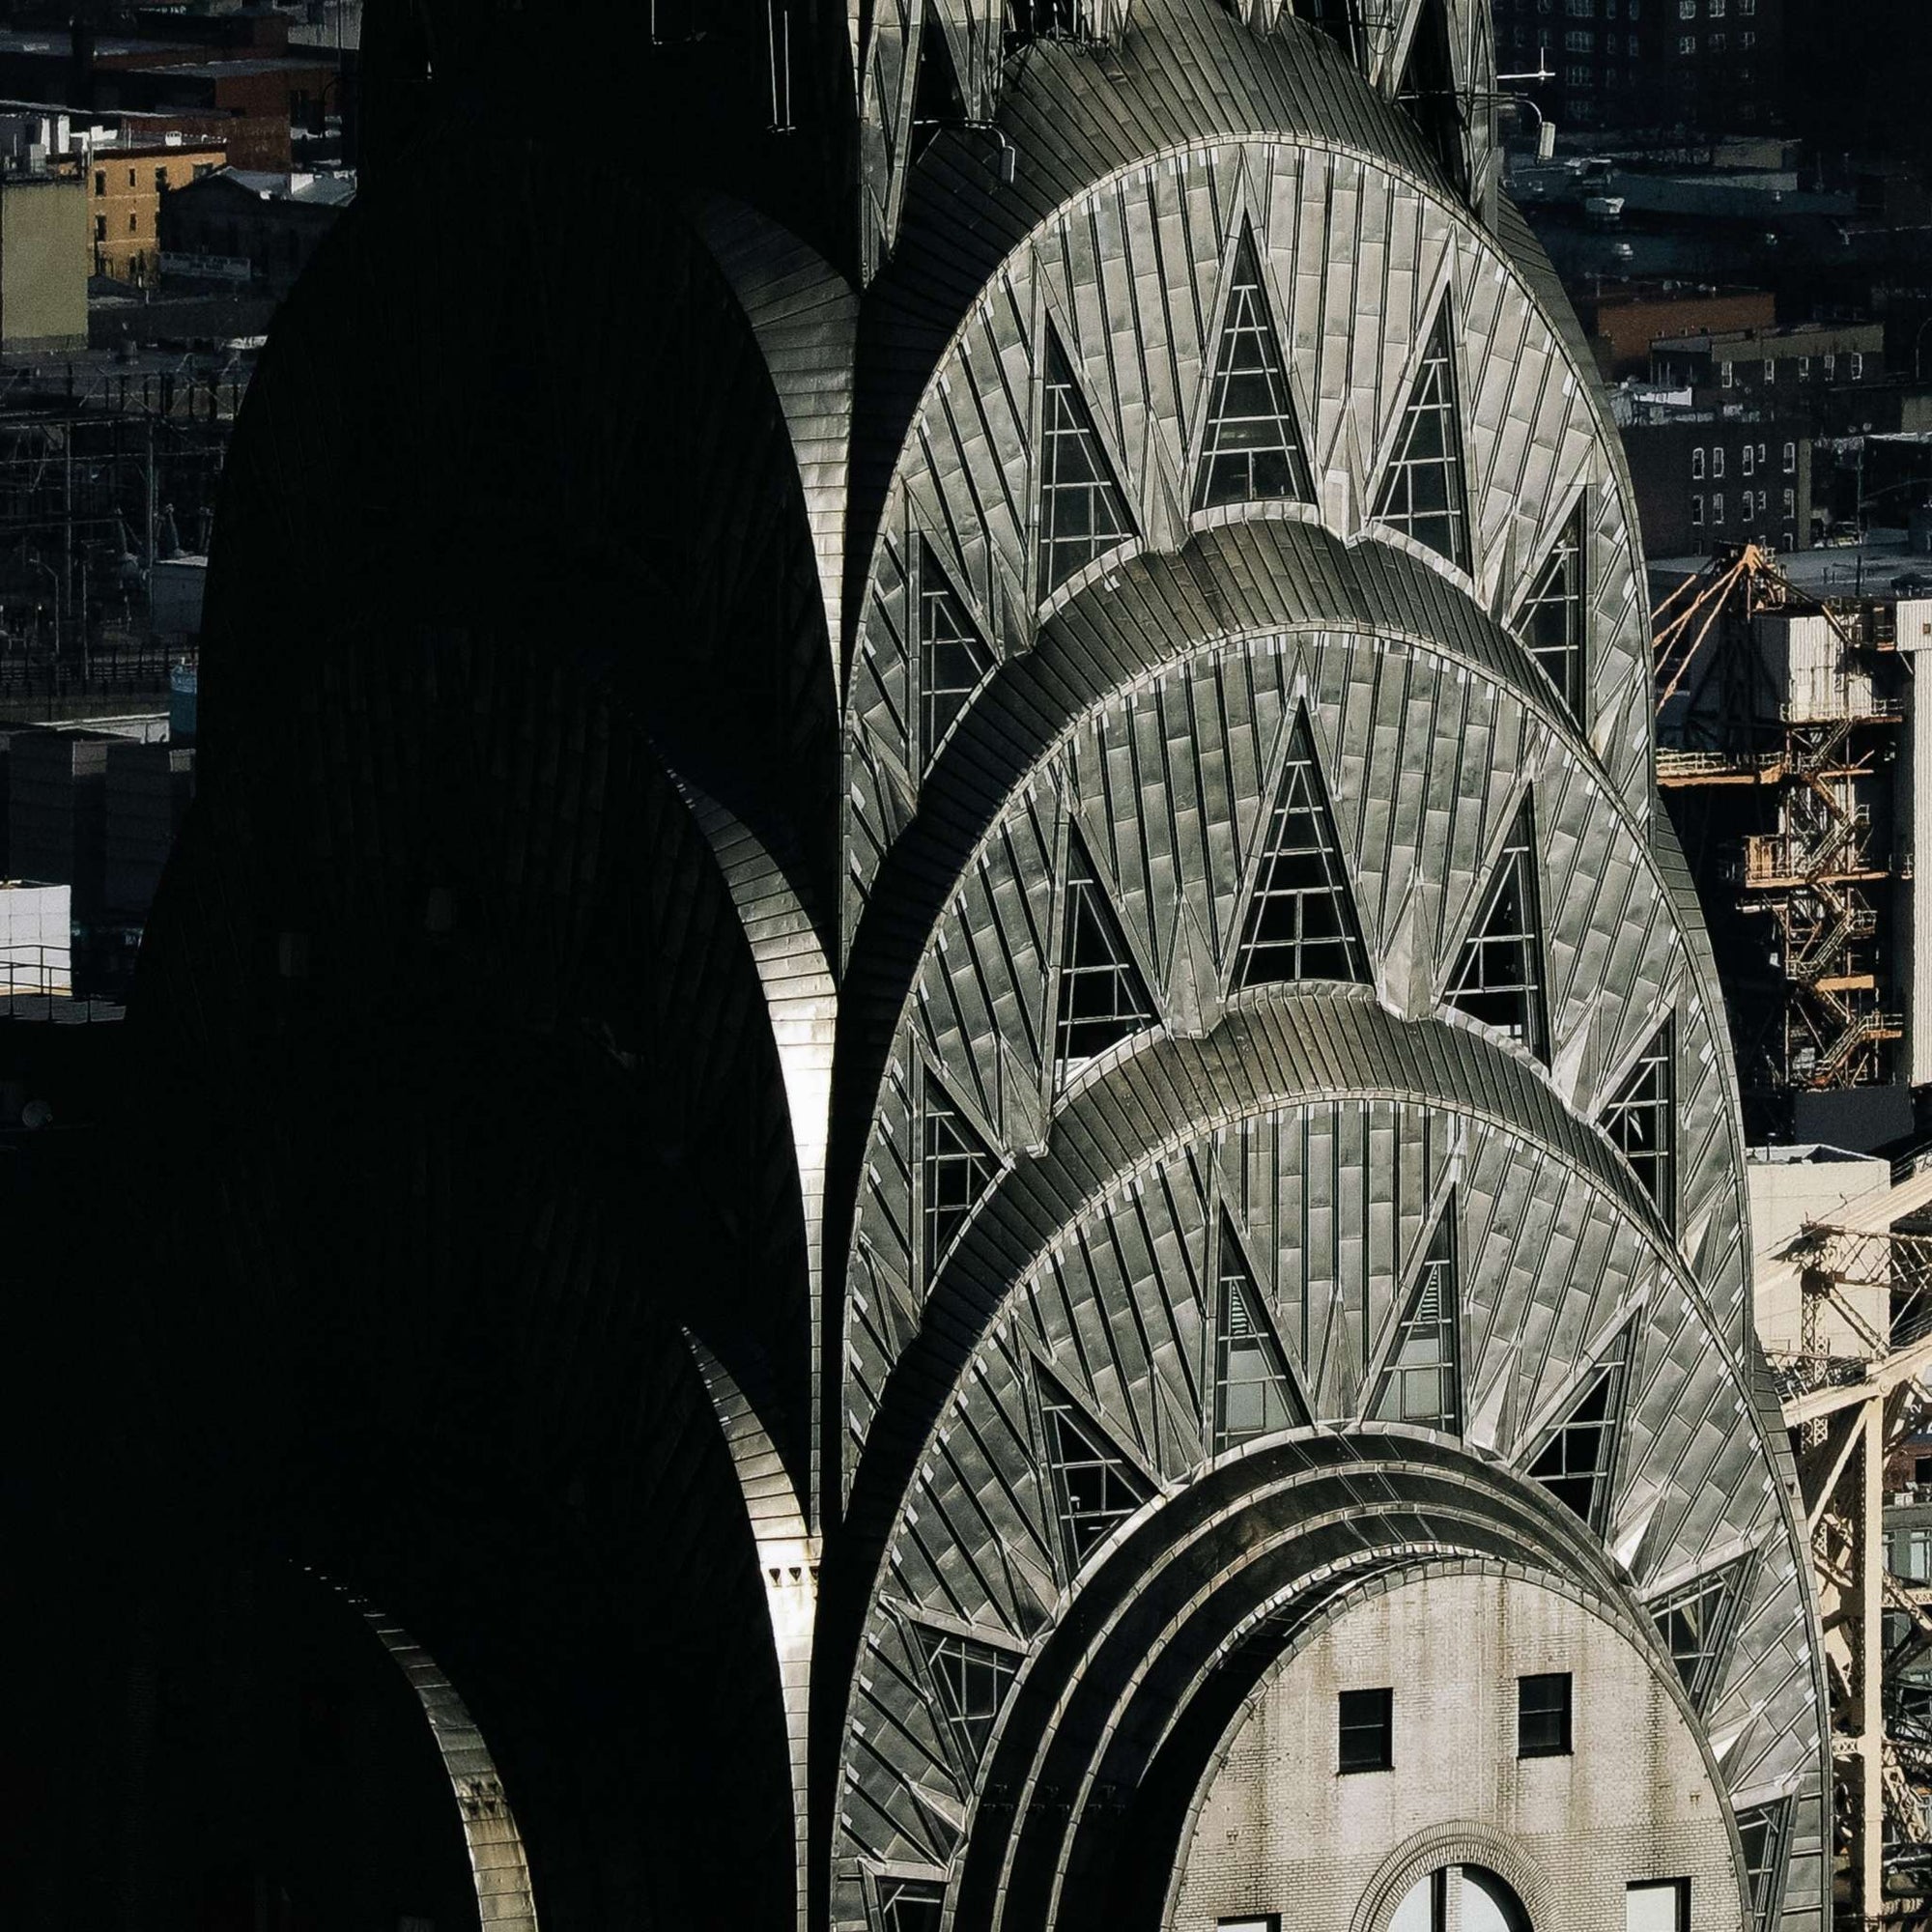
(1550, 621)
(1252, 449)
(1763, 1831)
(1577, 1460)
(1640, 1121)
(1423, 491)
(1422, 1382)
(909, 1905)
(1302, 921)
(1499, 978)
(971, 1679)
(1103, 997)
(1094, 1485)
(958, 1168)
(1081, 509)
(1254, 1394)
(952, 661)
(1696, 1622)
(1430, 93)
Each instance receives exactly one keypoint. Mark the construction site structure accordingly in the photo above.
(1853, 1384)
(1779, 729)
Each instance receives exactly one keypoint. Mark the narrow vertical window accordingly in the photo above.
(910, 1905)
(1659, 1905)
(1498, 979)
(958, 1170)
(1763, 1833)
(1640, 1122)
(952, 659)
(1095, 1485)
(1254, 1393)
(1423, 492)
(1577, 1459)
(1697, 1623)
(1252, 448)
(1103, 997)
(1551, 619)
(1082, 512)
(1543, 1715)
(1366, 1730)
(1302, 921)
(973, 1679)
(1422, 1381)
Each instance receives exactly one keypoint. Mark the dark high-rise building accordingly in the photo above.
(930, 1078)
(1664, 68)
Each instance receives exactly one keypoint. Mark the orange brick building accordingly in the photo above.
(125, 189)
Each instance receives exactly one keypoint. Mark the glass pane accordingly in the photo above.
(1655, 1908)
(1412, 1914)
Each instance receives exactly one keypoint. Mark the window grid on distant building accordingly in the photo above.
(1551, 617)
(1081, 509)
(1252, 449)
(1423, 492)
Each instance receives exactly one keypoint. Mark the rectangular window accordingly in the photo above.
(1790, 459)
(160, 181)
(1728, 374)
(101, 228)
(1747, 454)
(1367, 1730)
(1579, 41)
(134, 224)
(1632, 47)
(1696, 513)
(1718, 459)
(1858, 366)
(1790, 503)
(1687, 10)
(100, 180)
(1662, 1905)
(1578, 76)
(1805, 368)
(1543, 1715)
(1687, 43)
(1745, 514)
(1831, 367)
(130, 177)
(1769, 370)
(1717, 43)
(1718, 508)
(1697, 465)
(1271, 1923)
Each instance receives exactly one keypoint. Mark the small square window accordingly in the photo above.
(1368, 1730)
(1543, 1715)
(1659, 1905)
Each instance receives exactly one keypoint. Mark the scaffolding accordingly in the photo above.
(1776, 725)
(1854, 1389)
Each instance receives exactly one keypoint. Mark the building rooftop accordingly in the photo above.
(1797, 333)
(1865, 570)
(319, 190)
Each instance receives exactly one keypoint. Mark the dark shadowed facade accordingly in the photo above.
(938, 1093)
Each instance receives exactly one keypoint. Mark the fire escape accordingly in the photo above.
(1790, 745)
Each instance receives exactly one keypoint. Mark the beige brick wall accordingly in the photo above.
(1279, 1830)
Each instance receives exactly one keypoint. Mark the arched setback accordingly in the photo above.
(1278, 1828)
